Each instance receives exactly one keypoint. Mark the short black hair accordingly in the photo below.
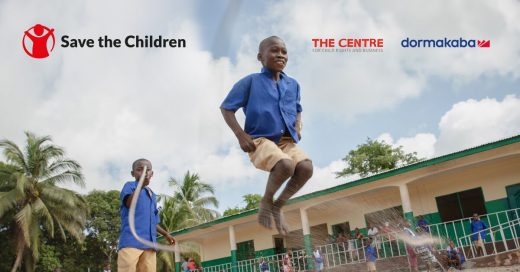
(266, 40)
(137, 162)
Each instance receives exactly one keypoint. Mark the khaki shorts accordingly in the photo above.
(267, 153)
(134, 259)
(479, 242)
(371, 266)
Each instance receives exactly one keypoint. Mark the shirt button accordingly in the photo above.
(281, 131)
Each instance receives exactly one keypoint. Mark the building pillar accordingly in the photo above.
(178, 259)
(233, 245)
(307, 238)
(407, 206)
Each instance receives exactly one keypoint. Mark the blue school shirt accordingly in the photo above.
(270, 107)
(146, 217)
(371, 253)
(264, 267)
(477, 226)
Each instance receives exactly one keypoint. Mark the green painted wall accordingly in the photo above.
(308, 250)
(433, 218)
(264, 252)
(216, 261)
(409, 216)
(497, 205)
(234, 261)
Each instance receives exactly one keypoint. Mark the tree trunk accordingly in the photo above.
(20, 247)
(109, 260)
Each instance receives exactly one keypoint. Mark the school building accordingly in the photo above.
(446, 190)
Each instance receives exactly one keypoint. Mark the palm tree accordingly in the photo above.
(174, 215)
(196, 196)
(181, 211)
(31, 199)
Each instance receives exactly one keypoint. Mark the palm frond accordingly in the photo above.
(34, 232)
(73, 176)
(23, 220)
(53, 194)
(40, 209)
(7, 201)
(205, 201)
(62, 231)
(22, 183)
(13, 154)
(61, 165)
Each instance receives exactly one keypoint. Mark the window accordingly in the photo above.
(278, 245)
(339, 228)
(461, 204)
(245, 250)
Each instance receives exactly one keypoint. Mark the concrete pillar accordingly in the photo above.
(405, 200)
(307, 238)
(233, 246)
(178, 259)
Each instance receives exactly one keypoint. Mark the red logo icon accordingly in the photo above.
(484, 43)
(36, 41)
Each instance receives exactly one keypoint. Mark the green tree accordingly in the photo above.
(104, 222)
(31, 201)
(252, 202)
(48, 259)
(375, 157)
(189, 206)
(196, 197)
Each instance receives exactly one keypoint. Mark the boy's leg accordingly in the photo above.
(147, 261)
(302, 173)
(269, 157)
(280, 172)
(127, 259)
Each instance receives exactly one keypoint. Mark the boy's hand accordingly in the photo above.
(298, 128)
(170, 239)
(246, 142)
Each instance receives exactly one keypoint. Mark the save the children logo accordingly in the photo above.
(445, 43)
(38, 41)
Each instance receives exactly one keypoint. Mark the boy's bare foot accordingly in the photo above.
(279, 221)
(264, 214)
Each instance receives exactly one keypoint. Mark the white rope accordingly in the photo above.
(131, 218)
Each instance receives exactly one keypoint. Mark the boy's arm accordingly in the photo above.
(166, 235)
(298, 124)
(245, 141)
(128, 200)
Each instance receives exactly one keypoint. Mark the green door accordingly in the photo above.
(245, 252)
(513, 196)
(513, 199)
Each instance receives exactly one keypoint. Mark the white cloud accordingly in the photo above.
(422, 143)
(467, 124)
(324, 177)
(474, 122)
(347, 85)
(108, 107)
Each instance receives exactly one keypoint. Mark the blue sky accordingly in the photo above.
(108, 107)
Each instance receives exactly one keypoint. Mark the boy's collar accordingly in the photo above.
(270, 74)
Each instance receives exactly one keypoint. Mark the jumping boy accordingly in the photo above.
(271, 103)
(133, 255)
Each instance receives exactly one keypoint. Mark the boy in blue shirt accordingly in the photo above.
(133, 255)
(271, 103)
(263, 265)
(370, 255)
(479, 233)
